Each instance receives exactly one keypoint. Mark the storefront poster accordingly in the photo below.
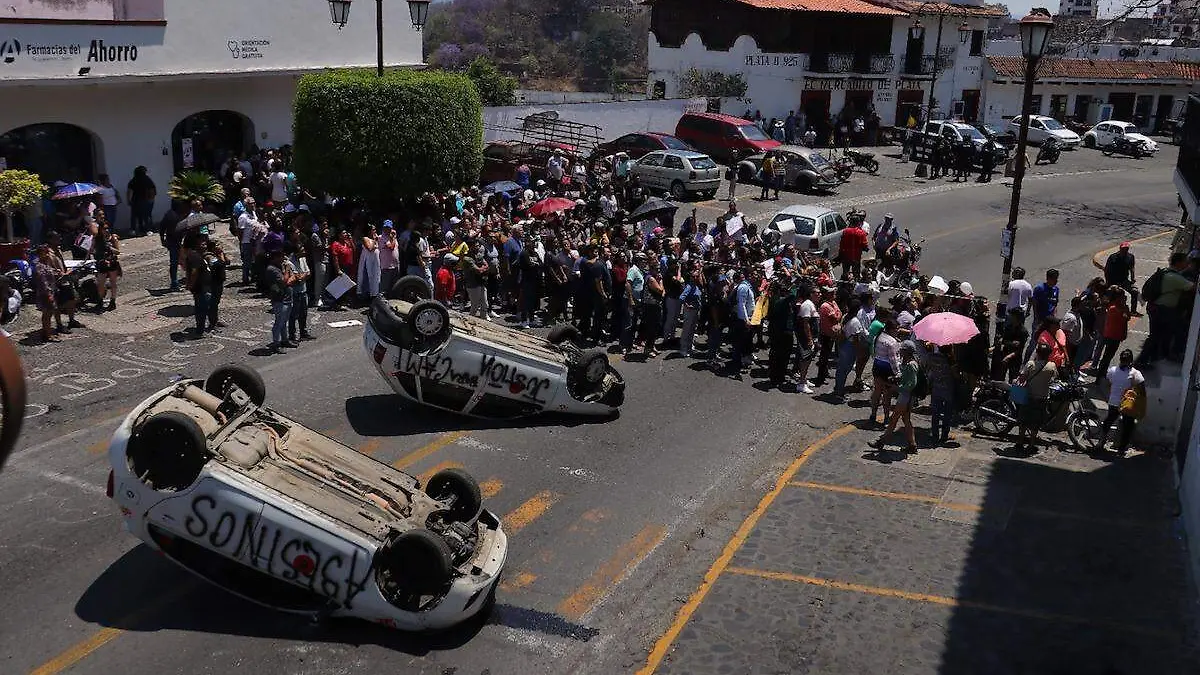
(186, 152)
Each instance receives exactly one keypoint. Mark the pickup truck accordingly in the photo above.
(921, 140)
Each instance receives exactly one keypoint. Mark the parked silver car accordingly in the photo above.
(808, 227)
(805, 169)
(680, 171)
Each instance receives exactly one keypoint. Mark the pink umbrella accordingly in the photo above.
(945, 328)
(551, 205)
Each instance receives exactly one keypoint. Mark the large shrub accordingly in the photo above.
(387, 138)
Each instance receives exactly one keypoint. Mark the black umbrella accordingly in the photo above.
(502, 186)
(653, 207)
(196, 220)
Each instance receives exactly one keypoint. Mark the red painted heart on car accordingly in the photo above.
(516, 387)
(304, 565)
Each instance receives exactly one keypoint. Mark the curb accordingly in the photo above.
(1097, 258)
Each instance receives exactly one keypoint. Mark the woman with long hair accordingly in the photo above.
(106, 246)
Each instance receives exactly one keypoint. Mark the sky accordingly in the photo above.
(1019, 8)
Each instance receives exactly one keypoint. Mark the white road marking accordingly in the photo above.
(60, 478)
(534, 642)
(345, 324)
(574, 472)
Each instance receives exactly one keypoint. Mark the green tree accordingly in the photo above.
(711, 84)
(188, 186)
(19, 190)
(495, 88)
(608, 45)
(387, 138)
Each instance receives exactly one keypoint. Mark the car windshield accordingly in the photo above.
(753, 133)
(672, 143)
(700, 163)
(1052, 124)
(818, 160)
(971, 133)
(804, 226)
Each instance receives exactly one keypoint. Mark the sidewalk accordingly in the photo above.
(956, 560)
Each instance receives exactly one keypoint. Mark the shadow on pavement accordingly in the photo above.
(393, 415)
(1086, 575)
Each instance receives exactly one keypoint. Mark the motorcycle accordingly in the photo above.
(20, 279)
(1124, 146)
(843, 167)
(902, 270)
(996, 414)
(1050, 151)
(863, 160)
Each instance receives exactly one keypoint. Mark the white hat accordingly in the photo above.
(966, 288)
(455, 220)
(541, 182)
(237, 176)
(450, 258)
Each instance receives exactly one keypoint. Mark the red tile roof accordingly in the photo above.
(934, 8)
(831, 6)
(1013, 67)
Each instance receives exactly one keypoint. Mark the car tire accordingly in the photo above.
(411, 289)
(745, 173)
(418, 561)
(167, 451)
(803, 184)
(563, 333)
(462, 487)
(872, 166)
(1109, 149)
(224, 378)
(1089, 142)
(589, 368)
(678, 191)
(429, 322)
(387, 323)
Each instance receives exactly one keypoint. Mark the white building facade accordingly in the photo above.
(831, 57)
(1078, 9)
(104, 86)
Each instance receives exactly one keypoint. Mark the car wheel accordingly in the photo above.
(417, 562)
(1089, 142)
(589, 368)
(429, 321)
(224, 378)
(167, 451)
(678, 191)
(411, 289)
(563, 333)
(745, 174)
(872, 166)
(1109, 149)
(458, 485)
(803, 184)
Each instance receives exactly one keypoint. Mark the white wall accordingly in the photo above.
(128, 135)
(1106, 51)
(203, 36)
(1004, 100)
(615, 119)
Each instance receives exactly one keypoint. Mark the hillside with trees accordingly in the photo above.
(565, 45)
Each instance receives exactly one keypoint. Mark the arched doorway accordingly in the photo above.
(206, 139)
(53, 150)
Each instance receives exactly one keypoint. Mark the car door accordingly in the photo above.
(673, 170)
(1037, 131)
(649, 170)
(833, 240)
(1104, 134)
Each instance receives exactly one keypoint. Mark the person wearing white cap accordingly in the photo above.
(444, 286)
(389, 259)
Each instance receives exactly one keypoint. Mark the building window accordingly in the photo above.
(1035, 105)
(1058, 107)
(977, 43)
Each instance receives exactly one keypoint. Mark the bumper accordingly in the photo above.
(702, 185)
(470, 594)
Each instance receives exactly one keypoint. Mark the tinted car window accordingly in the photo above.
(804, 226)
(672, 162)
(701, 163)
(673, 143)
(651, 160)
(841, 222)
(932, 128)
(753, 133)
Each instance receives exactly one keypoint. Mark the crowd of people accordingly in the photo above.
(725, 292)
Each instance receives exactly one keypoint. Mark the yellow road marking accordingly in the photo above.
(663, 645)
(1106, 252)
(586, 522)
(428, 449)
(84, 648)
(491, 487)
(530, 511)
(948, 601)
(426, 475)
(370, 447)
(98, 447)
(518, 581)
(608, 573)
(867, 493)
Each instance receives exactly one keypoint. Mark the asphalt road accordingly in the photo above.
(611, 525)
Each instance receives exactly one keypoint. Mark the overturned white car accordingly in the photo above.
(283, 516)
(455, 362)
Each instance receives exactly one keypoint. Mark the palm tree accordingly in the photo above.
(188, 186)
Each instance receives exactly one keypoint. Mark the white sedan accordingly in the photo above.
(1042, 127)
(271, 511)
(1105, 133)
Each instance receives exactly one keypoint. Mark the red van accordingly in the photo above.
(723, 137)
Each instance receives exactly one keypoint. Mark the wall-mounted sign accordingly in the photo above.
(774, 61)
(885, 96)
(188, 155)
(251, 48)
(98, 51)
(910, 84)
(846, 83)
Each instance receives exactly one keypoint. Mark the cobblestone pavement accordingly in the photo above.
(953, 560)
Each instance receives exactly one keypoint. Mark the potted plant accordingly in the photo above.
(19, 190)
(188, 186)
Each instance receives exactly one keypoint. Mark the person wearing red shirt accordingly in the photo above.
(341, 255)
(443, 283)
(830, 316)
(1116, 329)
(851, 248)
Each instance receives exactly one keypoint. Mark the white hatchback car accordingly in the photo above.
(1105, 133)
(808, 227)
(1042, 127)
(682, 172)
(269, 510)
(449, 360)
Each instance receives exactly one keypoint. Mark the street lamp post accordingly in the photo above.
(418, 10)
(1035, 36)
(917, 32)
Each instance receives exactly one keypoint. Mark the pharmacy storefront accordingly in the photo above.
(110, 85)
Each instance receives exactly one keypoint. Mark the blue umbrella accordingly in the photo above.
(76, 190)
(502, 186)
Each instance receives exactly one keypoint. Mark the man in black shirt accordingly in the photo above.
(1118, 271)
(199, 278)
(171, 240)
(530, 265)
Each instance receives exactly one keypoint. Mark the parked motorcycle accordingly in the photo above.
(1125, 146)
(902, 269)
(1050, 151)
(996, 415)
(843, 167)
(20, 279)
(863, 160)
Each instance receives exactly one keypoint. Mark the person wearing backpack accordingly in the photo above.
(1119, 271)
(1163, 293)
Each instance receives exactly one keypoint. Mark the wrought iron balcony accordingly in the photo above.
(851, 62)
(881, 64)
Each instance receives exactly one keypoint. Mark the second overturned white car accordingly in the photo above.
(448, 360)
